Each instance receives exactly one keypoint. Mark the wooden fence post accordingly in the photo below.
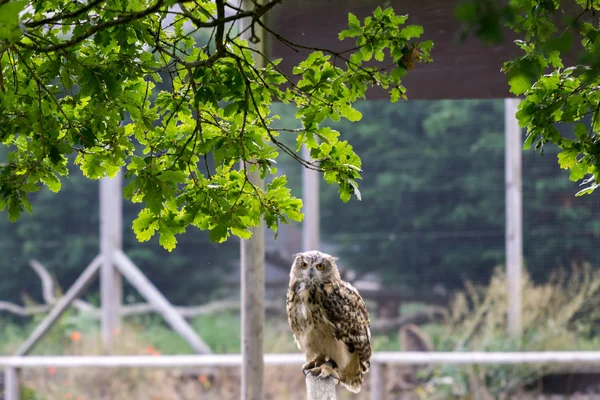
(310, 203)
(320, 389)
(12, 383)
(376, 381)
(252, 258)
(514, 215)
(111, 285)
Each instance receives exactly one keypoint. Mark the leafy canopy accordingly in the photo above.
(554, 93)
(82, 78)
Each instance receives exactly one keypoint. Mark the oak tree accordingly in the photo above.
(81, 77)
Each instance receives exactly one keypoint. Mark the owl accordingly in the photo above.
(329, 320)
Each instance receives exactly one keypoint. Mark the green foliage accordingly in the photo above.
(72, 76)
(63, 235)
(554, 93)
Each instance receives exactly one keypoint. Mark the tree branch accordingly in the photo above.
(58, 17)
(47, 281)
(222, 20)
(94, 29)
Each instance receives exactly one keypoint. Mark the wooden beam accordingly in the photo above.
(84, 280)
(143, 285)
(111, 239)
(252, 261)
(310, 203)
(514, 215)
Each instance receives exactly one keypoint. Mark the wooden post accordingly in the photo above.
(514, 215)
(252, 265)
(84, 280)
(12, 384)
(253, 314)
(376, 381)
(143, 285)
(320, 389)
(111, 239)
(310, 200)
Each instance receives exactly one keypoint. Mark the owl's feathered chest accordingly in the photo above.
(308, 306)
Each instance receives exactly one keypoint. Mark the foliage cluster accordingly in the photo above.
(440, 211)
(558, 73)
(64, 236)
(70, 75)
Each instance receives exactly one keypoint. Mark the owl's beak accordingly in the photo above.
(311, 272)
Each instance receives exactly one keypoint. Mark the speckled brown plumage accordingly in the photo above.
(329, 319)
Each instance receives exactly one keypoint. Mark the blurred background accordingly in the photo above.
(425, 247)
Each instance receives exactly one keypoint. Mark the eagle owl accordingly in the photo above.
(329, 320)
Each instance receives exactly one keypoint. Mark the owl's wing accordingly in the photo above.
(347, 312)
(290, 301)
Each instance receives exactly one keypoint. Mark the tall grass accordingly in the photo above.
(561, 314)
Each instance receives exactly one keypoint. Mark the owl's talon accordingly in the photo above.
(307, 367)
(325, 371)
(312, 365)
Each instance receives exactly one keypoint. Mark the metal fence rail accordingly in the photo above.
(13, 364)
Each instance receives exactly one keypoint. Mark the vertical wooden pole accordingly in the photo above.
(111, 286)
(12, 384)
(514, 215)
(253, 271)
(310, 200)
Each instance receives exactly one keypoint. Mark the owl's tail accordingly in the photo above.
(352, 376)
(353, 384)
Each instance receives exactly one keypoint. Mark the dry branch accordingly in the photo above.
(47, 281)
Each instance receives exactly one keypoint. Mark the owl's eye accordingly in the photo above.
(320, 267)
(304, 265)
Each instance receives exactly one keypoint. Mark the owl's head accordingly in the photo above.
(314, 267)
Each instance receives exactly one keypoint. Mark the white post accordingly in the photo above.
(514, 215)
(111, 240)
(12, 384)
(310, 203)
(252, 260)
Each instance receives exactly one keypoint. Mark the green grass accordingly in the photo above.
(221, 332)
